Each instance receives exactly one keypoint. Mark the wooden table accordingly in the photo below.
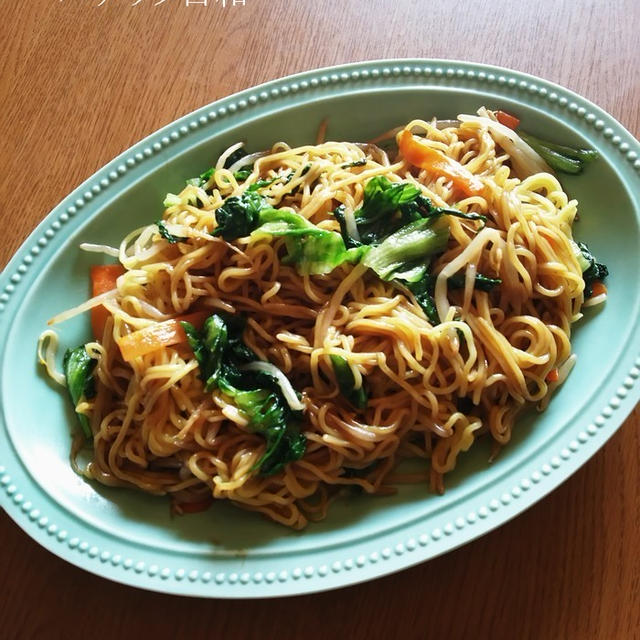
(82, 80)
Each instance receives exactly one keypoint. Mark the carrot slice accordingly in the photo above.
(183, 508)
(553, 375)
(158, 336)
(507, 119)
(103, 279)
(422, 155)
(598, 288)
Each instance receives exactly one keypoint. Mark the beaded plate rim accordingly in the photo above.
(60, 532)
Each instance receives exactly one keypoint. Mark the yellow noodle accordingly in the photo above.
(432, 389)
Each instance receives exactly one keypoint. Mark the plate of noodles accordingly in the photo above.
(292, 342)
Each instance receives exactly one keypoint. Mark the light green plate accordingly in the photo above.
(229, 553)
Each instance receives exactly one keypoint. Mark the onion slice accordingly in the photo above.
(524, 159)
(100, 248)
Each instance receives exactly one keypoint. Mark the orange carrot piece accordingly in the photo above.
(183, 508)
(158, 336)
(553, 375)
(422, 155)
(598, 288)
(507, 119)
(103, 279)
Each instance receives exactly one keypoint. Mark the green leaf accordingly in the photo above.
(422, 207)
(380, 213)
(242, 174)
(202, 179)
(239, 215)
(423, 290)
(259, 184)
(291, 174)
(288, 445)
(311, 249)
(417, 241)
(592, 270)
(481, 282)
(220, 353)
(207, 175)
(346, 382)
(581, 155)
(382, 196)
(169, 237)
(208, 346)
(423, 293)
(388, 206)
(78, 369)
(355, 163)
(572, 162)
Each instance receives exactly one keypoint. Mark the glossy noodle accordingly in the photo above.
(432, 386)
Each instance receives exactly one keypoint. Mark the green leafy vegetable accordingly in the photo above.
(382, 196)
(405, 254)
(208, 346)
(560, 157)
(423, 290)
(291, 174)
(202, 179)
(382, 199)
(592, 270)
(259, 184)
(239, 215)
(387, 207)
(311, 249)
(169, 237)
(422, 207)
(583, 155)
(355, 163)
(78, 370)
(270, 416)
(481, 282)
(242, 174)
(423, 293)
(406, 231)
(346, 381)
(221, 354)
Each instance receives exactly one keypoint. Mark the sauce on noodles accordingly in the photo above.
(374, 366)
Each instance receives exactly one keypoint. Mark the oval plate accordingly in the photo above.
(225, 552)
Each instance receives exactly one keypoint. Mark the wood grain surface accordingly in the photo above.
(81, 80)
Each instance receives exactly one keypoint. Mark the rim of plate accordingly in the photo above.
(62, 533)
